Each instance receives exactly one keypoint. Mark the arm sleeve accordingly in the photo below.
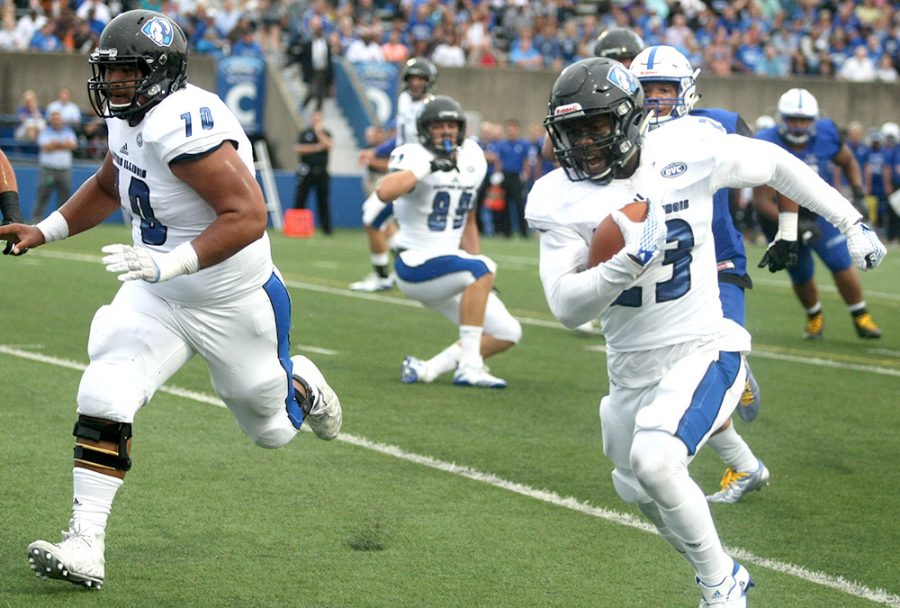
(741, 161)
(575, 294)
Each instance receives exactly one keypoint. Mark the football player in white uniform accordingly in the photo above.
(198, 280)
(433, 185)
(674, 362)
(418, 76)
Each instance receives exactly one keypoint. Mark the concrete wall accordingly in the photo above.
(498, 94)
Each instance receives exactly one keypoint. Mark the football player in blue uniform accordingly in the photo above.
(795, 236)
(670, 92)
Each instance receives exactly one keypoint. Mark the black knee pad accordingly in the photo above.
(93, 429)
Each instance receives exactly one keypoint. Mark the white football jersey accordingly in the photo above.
(676, 299)
(432, 216)
(164, 210)
(407, 113)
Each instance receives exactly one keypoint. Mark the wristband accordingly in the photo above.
(181, 260)
(787, 226)
(54, 227)
(9, 207)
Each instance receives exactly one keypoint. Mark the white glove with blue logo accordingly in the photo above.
(643, 240)
(865, 248)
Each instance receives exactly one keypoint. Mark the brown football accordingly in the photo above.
(607, 240)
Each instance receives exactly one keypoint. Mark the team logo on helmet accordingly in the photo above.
(624, 79)
(160, 31)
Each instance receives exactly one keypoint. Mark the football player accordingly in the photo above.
(418, 77)
(675, 363)
(197, 280)
(817, 142)
(10, 212)
(433, 184)
(670, 92)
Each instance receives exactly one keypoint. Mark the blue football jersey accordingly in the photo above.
(729, 240)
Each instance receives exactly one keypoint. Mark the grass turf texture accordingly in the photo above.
(207, 519)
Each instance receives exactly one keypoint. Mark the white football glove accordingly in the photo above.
(643, 240)
(865, 248)
(138, 263)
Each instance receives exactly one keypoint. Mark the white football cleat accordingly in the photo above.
(730, 593)
(477, 376)
(322, 412)
(372, 282)
(412, 370)
(77, 559)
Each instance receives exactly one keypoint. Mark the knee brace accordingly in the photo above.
(92, 429)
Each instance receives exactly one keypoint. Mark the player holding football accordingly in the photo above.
(670, 92)
(418, 77)
(198, 280)
(675, 364)
(433, 184)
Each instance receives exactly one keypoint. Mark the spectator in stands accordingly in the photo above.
(247, 43)
(394, 50)
(719, 55)
(57, 143)
(31, 117)
(886, 71)
(859, 67)
(10, 39)
(523, 54)
(227, 18)
(771, 64)
(477, 33)
(366, 49)
(45, 39)
(448, 52)
(273, 16)
(316, 64)
(95, 12)
(29, 24)
(68, 109)
(547, 42)
(678, 33)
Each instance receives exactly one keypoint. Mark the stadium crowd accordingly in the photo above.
(853, 40)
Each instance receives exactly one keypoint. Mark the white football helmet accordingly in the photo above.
(663, 63)
(891, 132)
(764, 121)
(797, 103)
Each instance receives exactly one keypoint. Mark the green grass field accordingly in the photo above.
(438, 496)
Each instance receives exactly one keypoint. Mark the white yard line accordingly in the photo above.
(837, 583)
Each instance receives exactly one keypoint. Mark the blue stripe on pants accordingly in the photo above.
(281, 307)
(707, 400)
(439, 266)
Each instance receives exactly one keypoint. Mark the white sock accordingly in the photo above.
(861, 305)
(93, 495)
(470, 345)
(443, 362)
(814, 309)
(692, 524)
(380, 259)
(733, 450)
